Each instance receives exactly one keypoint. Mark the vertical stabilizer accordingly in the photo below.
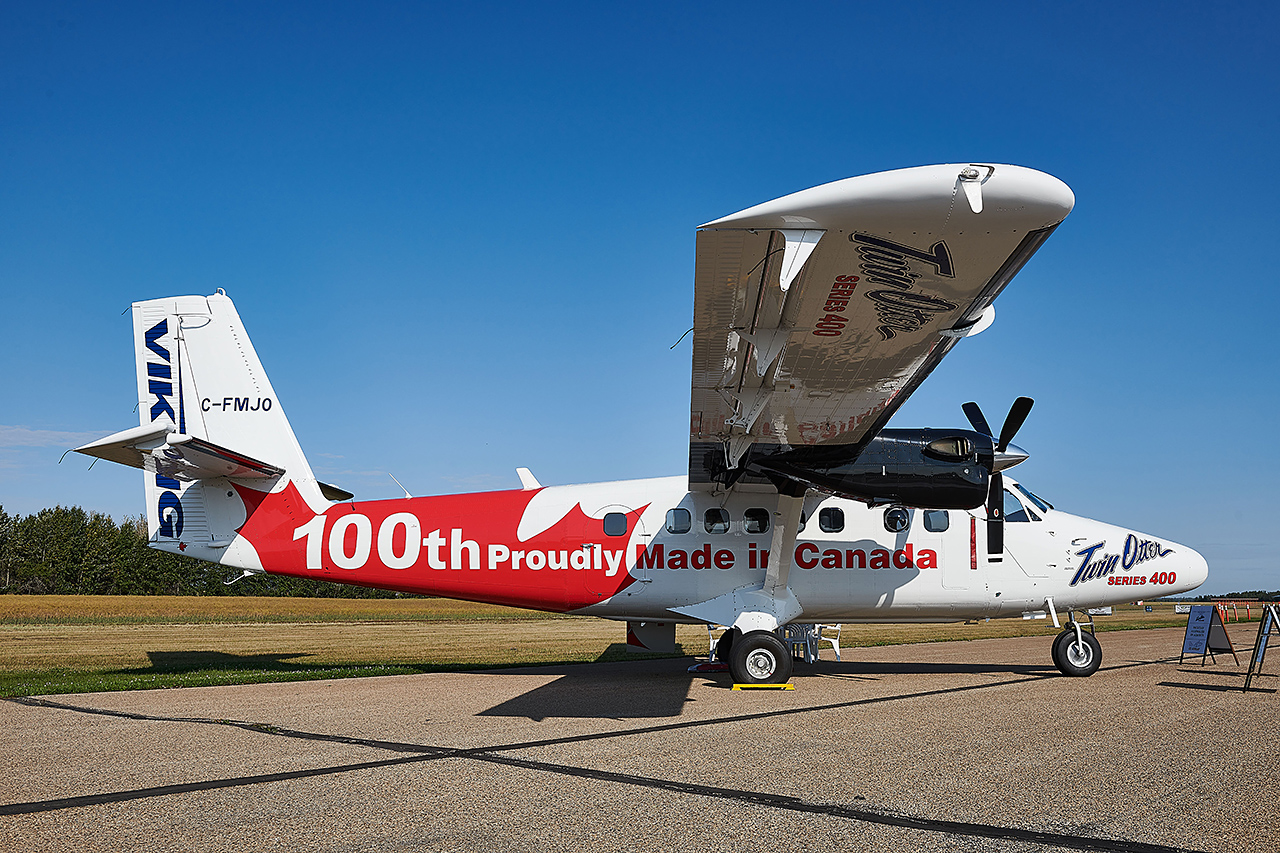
(199, 376)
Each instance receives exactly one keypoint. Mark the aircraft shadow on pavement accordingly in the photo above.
(203, 661)
(876, 669)
(187, 661)
(622, 693)
(613, 696)
(612, 693)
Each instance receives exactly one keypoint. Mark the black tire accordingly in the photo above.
(724, 645)
(1073, 660)
(759, 658)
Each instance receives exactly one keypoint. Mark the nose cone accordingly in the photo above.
(1127, 563)
(1007, 458)
(1193, 570)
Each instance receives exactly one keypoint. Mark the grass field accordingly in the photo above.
(170, 609)
(76, 644)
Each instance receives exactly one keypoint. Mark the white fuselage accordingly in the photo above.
(847, 567)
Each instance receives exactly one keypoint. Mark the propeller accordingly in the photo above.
(1006, 456)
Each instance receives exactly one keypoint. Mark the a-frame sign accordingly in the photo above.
(1206, 635)
(1270, 625)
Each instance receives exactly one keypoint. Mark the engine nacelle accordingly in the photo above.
(940, 469)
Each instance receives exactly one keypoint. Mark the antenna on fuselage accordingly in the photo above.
(406, 491)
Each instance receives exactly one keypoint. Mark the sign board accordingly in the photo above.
(1270, 624)
(1182, 608)
(1100, 611)
(1206, 635)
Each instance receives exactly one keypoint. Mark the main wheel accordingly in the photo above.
(1077, 659)
(759, 658)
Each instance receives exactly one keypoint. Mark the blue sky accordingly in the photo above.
(462, 235)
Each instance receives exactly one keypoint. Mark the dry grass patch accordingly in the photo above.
(94, 609)
(62, 644)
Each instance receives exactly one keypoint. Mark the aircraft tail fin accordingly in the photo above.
(209, 420)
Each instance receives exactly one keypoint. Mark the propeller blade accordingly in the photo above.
(995, 516)
(1017, 417)
(974, 414)
(1003, 459)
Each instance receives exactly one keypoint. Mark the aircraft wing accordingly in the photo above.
(817, 314)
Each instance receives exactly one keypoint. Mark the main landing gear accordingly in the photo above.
(1077, 652)
(757, 657)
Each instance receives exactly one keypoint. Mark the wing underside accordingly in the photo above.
(817, 314)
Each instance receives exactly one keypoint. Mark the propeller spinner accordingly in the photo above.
(1006, 456)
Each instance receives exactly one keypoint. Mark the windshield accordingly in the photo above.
(1044, 505)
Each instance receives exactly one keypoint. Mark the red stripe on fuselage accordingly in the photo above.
(458, 546)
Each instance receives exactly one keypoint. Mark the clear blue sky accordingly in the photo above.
(462, 235)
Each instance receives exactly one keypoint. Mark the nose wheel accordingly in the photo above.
(1077, 653)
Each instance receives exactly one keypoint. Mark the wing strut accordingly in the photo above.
(786, 527)
(772, 604)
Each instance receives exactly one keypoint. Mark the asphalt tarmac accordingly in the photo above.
(975, 745)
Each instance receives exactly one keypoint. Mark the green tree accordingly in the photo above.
(6, 534)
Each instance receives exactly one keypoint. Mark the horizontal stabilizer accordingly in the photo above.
(128, 447)
(183, 457)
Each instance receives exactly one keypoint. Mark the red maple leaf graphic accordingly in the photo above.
(474, 555)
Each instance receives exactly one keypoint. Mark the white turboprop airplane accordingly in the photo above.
(816, 315)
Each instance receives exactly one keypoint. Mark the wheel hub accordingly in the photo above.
(761, 664)
(1079, 654)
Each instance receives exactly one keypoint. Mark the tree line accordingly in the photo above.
(68, 551)
(1248, 594)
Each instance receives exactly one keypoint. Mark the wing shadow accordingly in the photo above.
(607, 693)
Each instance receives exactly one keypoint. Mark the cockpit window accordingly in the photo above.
(1013, 510)
(1043, 505)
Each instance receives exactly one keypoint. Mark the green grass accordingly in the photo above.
(211, 669)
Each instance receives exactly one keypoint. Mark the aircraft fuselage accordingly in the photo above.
(644, 549)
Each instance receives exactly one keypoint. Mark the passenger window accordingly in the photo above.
(1013, 510)
(936, 520)
(716, 520)
(679, 520)
(831, 519)
(756, 520)
(615, 524)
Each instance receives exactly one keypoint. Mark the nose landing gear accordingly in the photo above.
(1077, 653)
